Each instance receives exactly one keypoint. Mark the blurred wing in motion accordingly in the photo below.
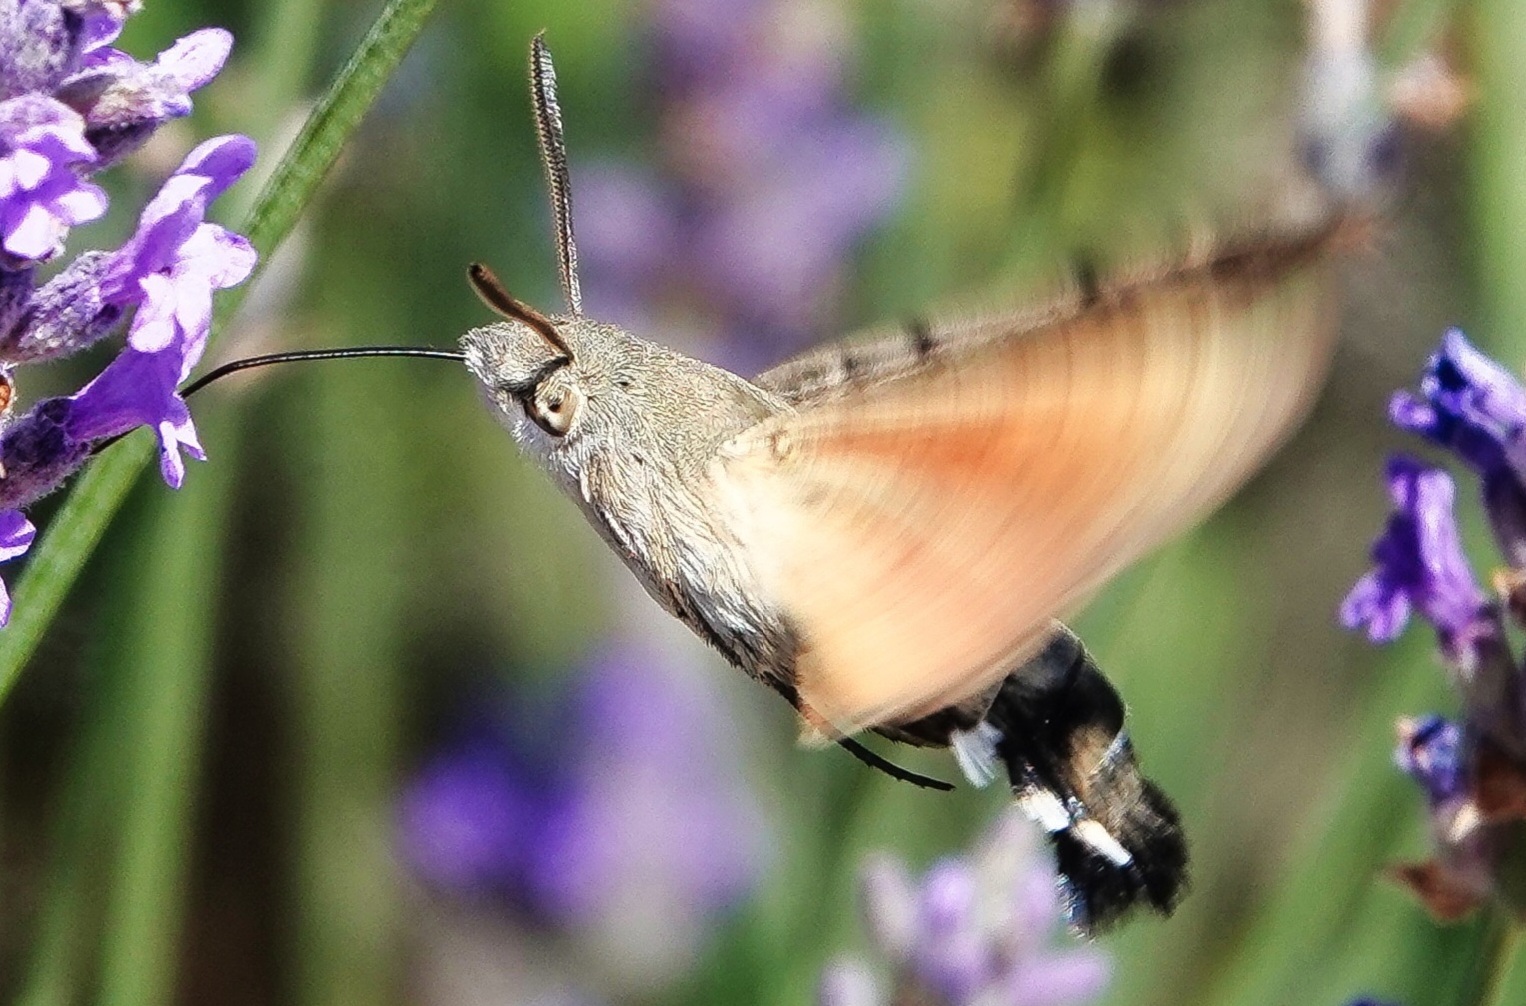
(941, 494)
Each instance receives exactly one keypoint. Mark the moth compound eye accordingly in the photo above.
(553, 409)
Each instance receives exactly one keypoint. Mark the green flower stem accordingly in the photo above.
(73, 533)
(88, 803)
(166, 650)
(1498, 45)
(1485, 985)
(71, 536)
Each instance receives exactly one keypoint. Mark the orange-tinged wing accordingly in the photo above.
(941, 495)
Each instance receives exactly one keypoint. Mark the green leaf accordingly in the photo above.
(73, 533)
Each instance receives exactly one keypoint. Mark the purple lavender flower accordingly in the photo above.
(1472, 406)
(175, 260)
(769, 180)
(465, 818)
(981, 931)
(1419, 564)
(42, 145)
(71, 104)
(633, 800)
(1472, 772)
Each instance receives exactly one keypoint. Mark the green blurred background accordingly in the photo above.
(201, 766)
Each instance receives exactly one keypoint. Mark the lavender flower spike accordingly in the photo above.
(42, 146)
(1419, 564)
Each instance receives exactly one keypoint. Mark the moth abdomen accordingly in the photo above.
(1060, 734)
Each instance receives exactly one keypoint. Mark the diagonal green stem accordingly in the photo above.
(72, 535)
(166, 650)
(1485, 983)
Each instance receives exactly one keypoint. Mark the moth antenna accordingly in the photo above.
(553, 157)
(499, 300)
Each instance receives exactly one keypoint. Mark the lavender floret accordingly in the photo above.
(42, 149)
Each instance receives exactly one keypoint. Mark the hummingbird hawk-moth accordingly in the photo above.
(885, 530)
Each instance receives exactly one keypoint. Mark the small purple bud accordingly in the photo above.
(124, 101)
(39, 42)
(1430, 752)
(66, 315)
(38, 453)
(1476, 385)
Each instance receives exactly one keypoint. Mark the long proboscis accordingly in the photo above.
(308, 355)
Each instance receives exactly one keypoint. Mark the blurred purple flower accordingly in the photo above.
(769, 180)
(42, 143)
(1430, 752)
(464, 818)
(987, 931)
(1472, 772)
(1419, 564)
(72, 104)
(1472, 406)
(633, 801)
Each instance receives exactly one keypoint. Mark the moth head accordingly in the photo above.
(526, 364)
